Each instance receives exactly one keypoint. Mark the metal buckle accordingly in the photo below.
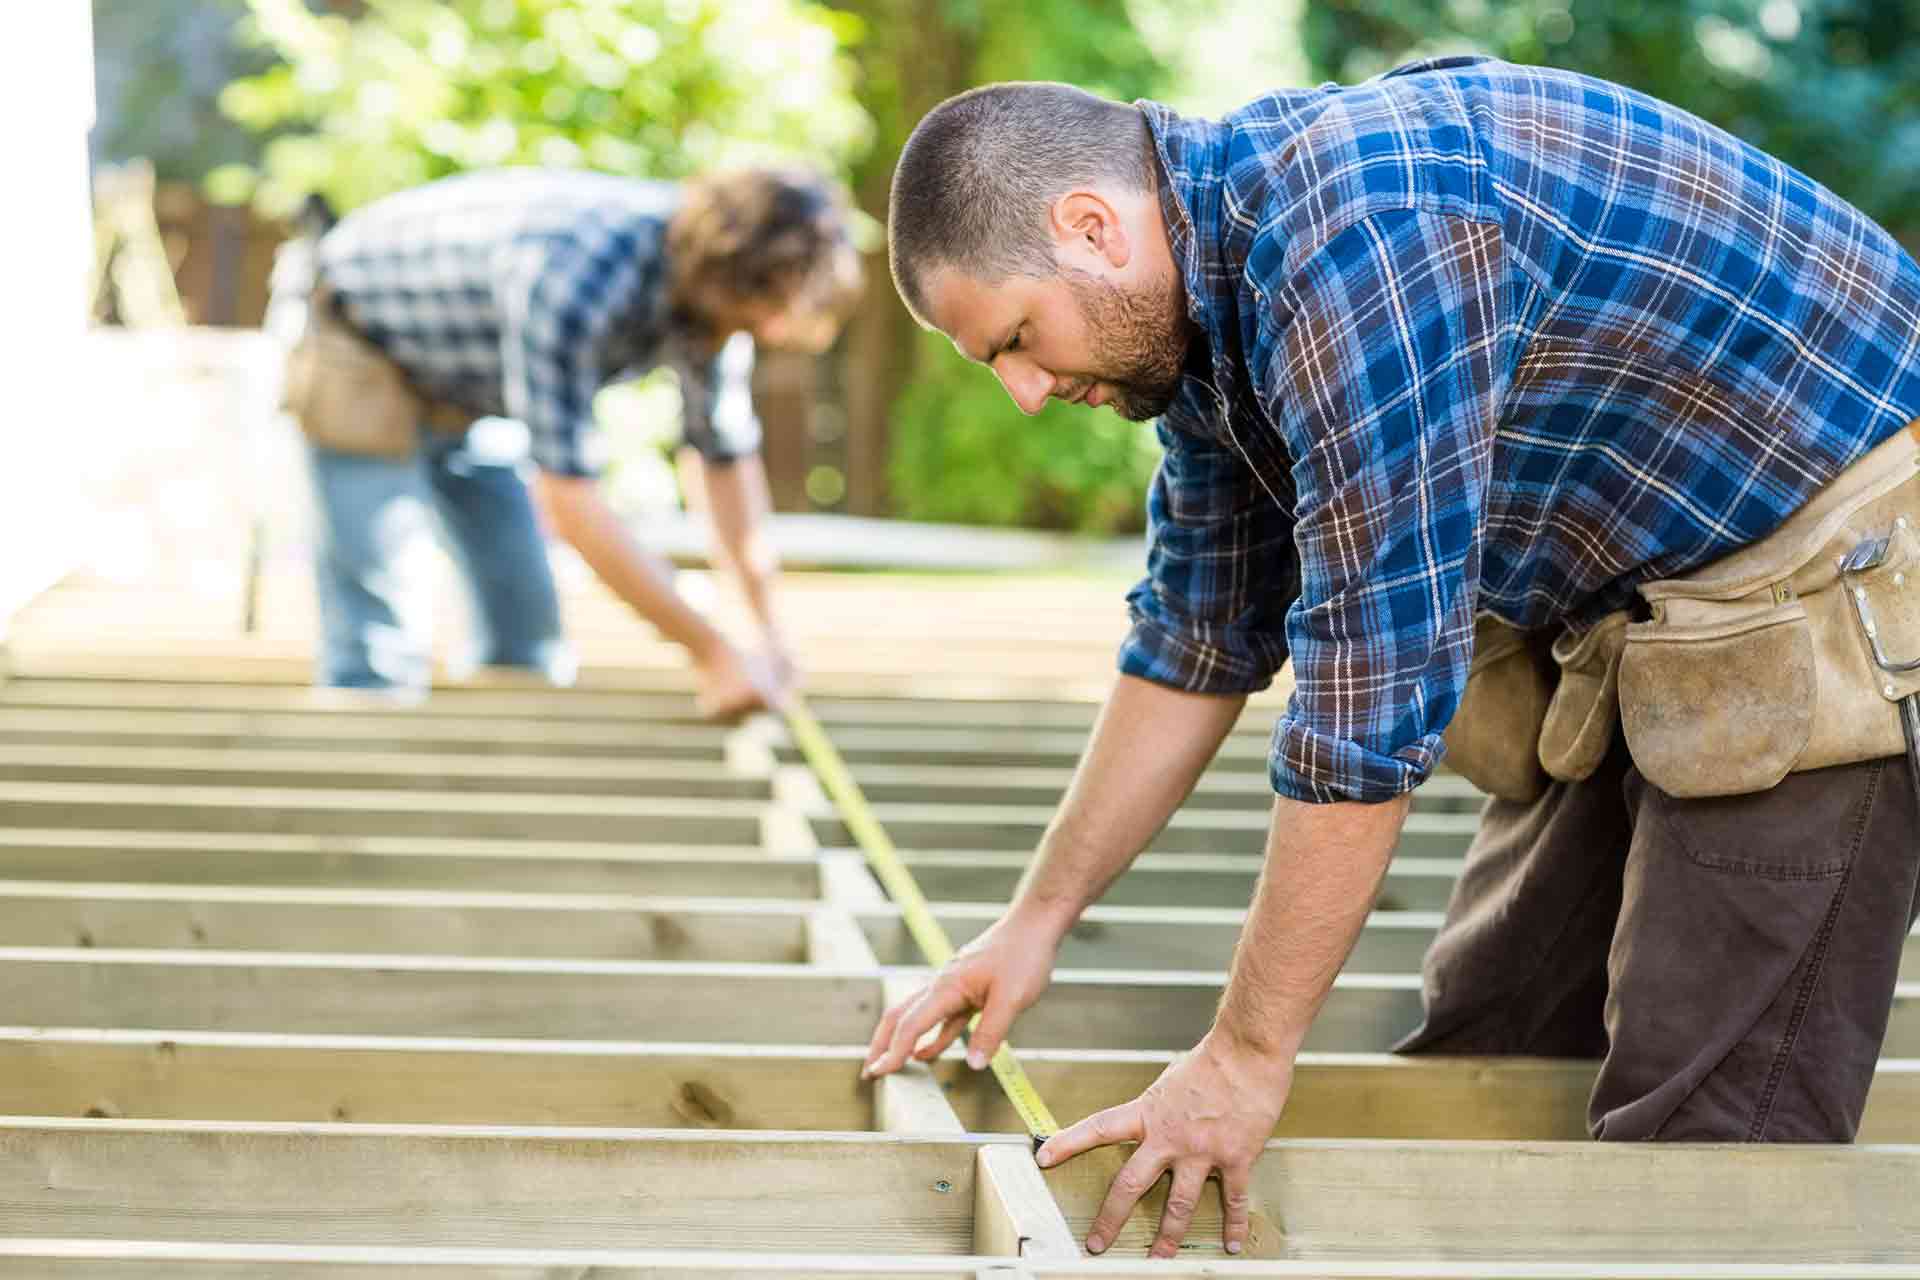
(1871, 553)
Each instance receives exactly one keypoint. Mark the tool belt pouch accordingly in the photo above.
(1491, 738)
(1580, 720)
(1762, 664)
(345, 393)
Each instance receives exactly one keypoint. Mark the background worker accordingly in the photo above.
(520, 294)
(1468, 340)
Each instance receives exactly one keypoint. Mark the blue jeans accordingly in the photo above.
(374, 563)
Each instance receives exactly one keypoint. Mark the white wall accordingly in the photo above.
(46, 109)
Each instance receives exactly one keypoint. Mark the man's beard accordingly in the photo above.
(1140, 341)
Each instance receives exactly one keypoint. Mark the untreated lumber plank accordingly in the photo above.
(912, 1099)
(1013, 1211)
(374, 770)
(118, 1260)
(173, 1074)
(641, 1188)
(493, 1185)
(1130, 1009)
(191, 1075)
(408, 862)
(787, 1004)
(1160, 937)
(302, 699)
(404, 922)
(421, 995)
(389, 731)
(397, 813)
(1586, 1201)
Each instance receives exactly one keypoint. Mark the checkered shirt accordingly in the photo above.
(523, 292)
(1483, 337)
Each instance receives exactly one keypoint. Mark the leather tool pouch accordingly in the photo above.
(1491, 739)
(1580, 720)
(345, 393)
(1761, 664)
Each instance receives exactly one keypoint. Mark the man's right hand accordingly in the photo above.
(999, 973)
(729, 684)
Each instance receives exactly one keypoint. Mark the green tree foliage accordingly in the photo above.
(1830, 86)
(159, 67)
(959, 449)
(412, 90)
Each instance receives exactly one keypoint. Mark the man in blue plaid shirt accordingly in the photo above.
(519, 294)
(1467, 341)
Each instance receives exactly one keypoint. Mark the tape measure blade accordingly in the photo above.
(898, 881)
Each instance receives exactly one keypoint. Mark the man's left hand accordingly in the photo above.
(1213, 1109)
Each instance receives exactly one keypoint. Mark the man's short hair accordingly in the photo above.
(976, 180)
(769, 235)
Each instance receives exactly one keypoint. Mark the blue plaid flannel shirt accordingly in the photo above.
(522, 292)
(1483, 337)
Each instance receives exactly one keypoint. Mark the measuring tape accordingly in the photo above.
(899, 883)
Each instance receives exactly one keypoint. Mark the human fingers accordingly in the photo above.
(1101, 1129)
(1135, 1179)
(1236, 1199)
(1183, 1198)
(933, 1006)
(949, 1030)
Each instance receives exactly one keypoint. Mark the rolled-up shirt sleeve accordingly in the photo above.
(716, 398)
(1383, 381)
(1210, 615)
(558, 300)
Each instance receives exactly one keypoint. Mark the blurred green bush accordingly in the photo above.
(413, 90)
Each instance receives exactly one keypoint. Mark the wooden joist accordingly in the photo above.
(112, 806)
(402, 922)
(758, 1004)
(375, 770)
(177, 1075)
(350, 861)
(386, 731)
(164, 1259)
(444, 1185)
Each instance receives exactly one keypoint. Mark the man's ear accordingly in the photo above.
(1088, 225)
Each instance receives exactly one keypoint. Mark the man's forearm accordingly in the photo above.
(738, 504)
(580, 514)
(1148, 748)
(1323, 870)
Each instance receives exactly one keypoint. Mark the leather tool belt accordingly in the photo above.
(1797, 652)
(350, 397)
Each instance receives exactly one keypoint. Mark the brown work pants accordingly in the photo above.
(1731, 960)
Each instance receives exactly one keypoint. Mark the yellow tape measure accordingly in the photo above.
(905, 892)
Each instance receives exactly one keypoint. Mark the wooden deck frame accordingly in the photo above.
(742, 1003)
(1333, 1199)
(118, 1260)
(412, 1079)
(320, 1184)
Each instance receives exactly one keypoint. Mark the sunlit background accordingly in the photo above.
(217, 116)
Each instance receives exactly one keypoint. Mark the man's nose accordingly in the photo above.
(1028, 384)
